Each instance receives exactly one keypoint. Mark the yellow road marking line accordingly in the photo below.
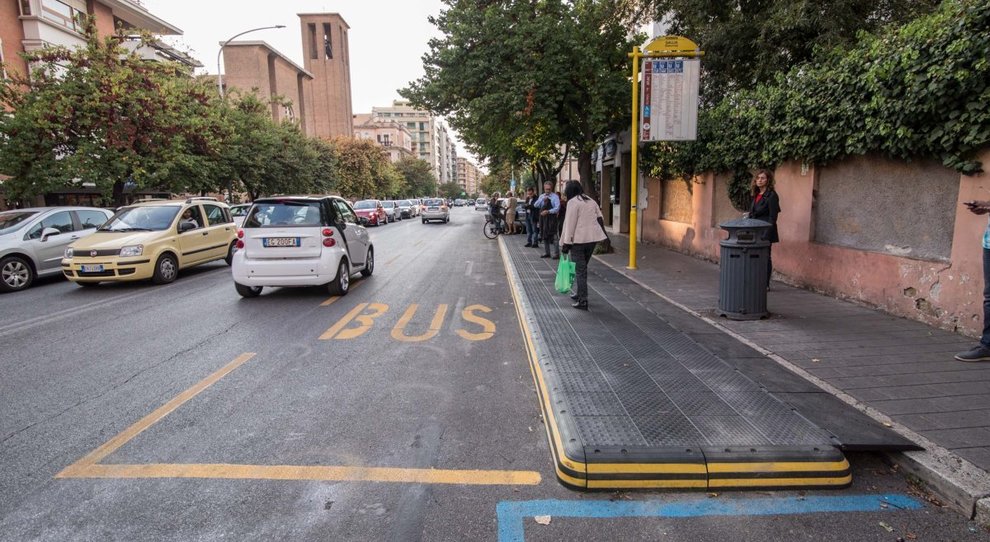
(647, 468)
(126, 435)
(315, 473)
(334, 329)
(779, 466)
(780, 482)
(332, 300)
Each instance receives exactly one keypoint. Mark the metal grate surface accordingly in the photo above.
(627, 378)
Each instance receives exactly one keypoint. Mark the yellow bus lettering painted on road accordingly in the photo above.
(487, 326)
(398, 332)
(366, 321)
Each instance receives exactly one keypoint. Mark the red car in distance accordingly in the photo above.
(373, 210)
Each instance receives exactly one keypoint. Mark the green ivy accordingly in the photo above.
(921, 90)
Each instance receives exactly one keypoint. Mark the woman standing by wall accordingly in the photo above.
(766, 207)
(580, 233)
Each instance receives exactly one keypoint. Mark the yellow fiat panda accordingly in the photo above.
(153, 240)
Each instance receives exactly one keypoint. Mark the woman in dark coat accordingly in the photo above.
(766, 207)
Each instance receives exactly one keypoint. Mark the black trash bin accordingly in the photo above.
(742, 285)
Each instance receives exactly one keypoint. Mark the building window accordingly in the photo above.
(313, 50)
(68, 13)
(25, 7)
(327, 47)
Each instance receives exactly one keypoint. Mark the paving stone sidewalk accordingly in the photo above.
(891, 366)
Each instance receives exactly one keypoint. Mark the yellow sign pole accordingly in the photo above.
(633, 174)
(662, 47)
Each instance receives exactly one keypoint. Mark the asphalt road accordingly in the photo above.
(402, 411)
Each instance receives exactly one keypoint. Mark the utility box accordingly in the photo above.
(742, 285)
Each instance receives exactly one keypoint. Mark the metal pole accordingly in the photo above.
(224, 44)
(635, 157)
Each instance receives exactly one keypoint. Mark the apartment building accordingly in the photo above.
(430, 138)
(30, 25)
(393, 136)
(468, 175)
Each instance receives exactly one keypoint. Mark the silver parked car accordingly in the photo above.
(392, 210)
(33, 241)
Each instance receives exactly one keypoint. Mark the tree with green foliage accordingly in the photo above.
(364, 171)
(266, 157)
(917, 91)
(529, 82)
(747, 42)
(450, 190)
(99, 114)
(418, 176)
(490, 184)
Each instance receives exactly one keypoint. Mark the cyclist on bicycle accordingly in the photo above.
(495, 210)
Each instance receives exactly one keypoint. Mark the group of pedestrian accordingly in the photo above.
(573, 224)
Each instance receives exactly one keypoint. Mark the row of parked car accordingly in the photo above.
(277, 241)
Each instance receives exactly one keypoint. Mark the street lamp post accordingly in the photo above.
(224, 44)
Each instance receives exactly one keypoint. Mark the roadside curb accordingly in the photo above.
(956, 481)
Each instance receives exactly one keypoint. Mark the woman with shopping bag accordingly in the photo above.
(581, 232)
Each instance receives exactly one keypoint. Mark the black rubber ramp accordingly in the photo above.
(631, 402)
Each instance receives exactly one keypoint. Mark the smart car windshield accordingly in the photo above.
(12, 220)
(284, 213)
(142, 219)
(365, 204)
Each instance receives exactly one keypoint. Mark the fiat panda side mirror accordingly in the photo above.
(186, 226)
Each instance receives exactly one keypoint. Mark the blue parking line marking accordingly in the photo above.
(512, 513)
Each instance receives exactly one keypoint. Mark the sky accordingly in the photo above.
(387, 38)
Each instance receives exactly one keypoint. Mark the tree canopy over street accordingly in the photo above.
(527, 83)
(100, 116)
(746, 42)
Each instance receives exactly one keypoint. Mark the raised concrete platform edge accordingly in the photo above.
(629, 467)
(954, 480)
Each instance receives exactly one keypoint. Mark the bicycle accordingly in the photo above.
(494, 227)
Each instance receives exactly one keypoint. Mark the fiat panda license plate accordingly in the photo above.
(281, 242)
(92, 268)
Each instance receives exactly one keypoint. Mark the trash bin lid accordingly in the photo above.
(744, 224)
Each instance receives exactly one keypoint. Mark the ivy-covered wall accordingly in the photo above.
(918, 91)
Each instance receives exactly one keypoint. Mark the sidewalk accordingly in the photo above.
(897, 371)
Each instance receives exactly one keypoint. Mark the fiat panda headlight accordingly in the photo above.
(68, 253)
(133, 250)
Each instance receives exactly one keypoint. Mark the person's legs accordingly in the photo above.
(581, 255)
(530, 230)
(982, 351)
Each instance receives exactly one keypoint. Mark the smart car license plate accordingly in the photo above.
(92, 268)
(281, 241)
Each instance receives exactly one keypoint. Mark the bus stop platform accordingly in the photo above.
(631, 400)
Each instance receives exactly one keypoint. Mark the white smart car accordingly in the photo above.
(301, 241)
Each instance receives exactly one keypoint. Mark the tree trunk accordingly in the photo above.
(118, 193)
(586, 171)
